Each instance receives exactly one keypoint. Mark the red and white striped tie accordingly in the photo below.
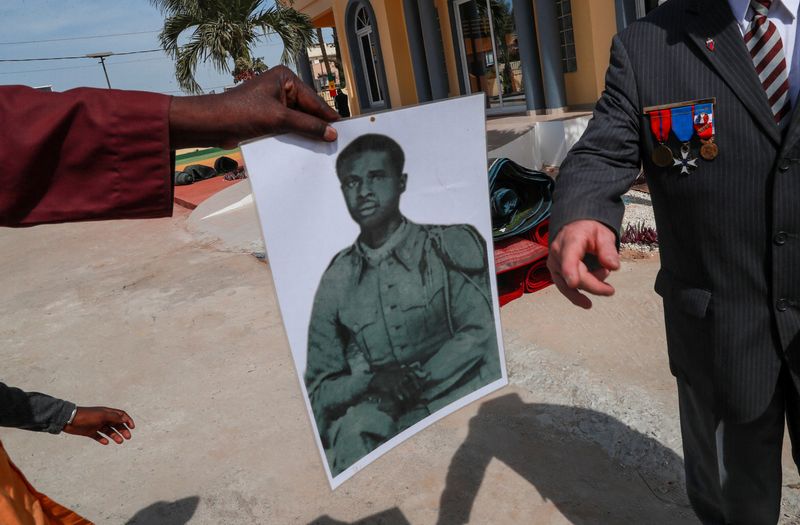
(766, 49)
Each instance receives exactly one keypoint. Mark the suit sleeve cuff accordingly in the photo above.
(61, 417)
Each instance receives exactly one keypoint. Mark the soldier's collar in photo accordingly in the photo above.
(407, 250)
(374, 256)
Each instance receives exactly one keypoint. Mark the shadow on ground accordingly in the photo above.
(594, 468)
(166, 512)
(388, 517)
(496, 138)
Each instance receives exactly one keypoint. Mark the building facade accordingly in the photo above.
(321, 71)
(524, 55)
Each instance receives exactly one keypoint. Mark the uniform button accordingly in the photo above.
(780, 238)
(784, 165)
(781, 305)
(355, 327)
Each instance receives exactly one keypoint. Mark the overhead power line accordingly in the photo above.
(77, 57)
(75, 38)
(45, 69)
(112, 63)
(204, 89)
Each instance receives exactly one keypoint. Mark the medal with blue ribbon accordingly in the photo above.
(683, 128)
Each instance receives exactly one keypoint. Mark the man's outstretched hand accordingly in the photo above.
(275, 101)
(93, 422)
(565, 262)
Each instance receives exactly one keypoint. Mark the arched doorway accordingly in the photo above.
(365, 51)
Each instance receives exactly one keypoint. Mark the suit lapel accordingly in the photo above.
(793, 131)
(730, 58)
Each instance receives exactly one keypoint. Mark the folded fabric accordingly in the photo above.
(183, 179)
(521, 267)
(510, 285)
(520, 198)
(510, 254)
(199, 172)
(225, 165)
(540, 234)
(537, 276)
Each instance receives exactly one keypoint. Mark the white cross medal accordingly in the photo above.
(685, 161)
(683, 127)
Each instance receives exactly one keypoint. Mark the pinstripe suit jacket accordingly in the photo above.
(729, 233)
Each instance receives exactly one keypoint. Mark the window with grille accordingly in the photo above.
(564, 12)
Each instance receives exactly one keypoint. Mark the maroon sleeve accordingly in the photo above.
(84, 154)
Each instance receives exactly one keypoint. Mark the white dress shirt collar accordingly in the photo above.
(742, 13)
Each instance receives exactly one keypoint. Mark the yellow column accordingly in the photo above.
(450, 52)
(396, 52)
(594, 25)
(339, 7)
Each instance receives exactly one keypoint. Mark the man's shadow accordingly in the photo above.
(391, 516)
(166, 512)
(591, 466)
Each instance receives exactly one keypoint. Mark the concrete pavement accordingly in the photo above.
(186, 336)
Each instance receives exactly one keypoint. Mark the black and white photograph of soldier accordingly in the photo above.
(402, 322)
(379, 247)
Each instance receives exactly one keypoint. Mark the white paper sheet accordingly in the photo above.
(305, 222)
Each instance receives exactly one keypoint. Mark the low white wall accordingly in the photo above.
(544, 144)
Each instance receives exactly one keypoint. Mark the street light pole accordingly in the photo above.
(102, 56)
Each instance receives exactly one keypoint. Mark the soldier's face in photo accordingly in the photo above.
(372, 188)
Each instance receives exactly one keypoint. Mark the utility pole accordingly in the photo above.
(102, 56)
(324, 53)
(338, 61)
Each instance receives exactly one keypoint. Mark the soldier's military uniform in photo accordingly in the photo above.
(402, 323)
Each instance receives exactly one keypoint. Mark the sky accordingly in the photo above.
(36, 20)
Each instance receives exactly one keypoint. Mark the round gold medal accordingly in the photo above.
(662, 156)
(709, 150)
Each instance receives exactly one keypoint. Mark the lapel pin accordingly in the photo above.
(710, 44)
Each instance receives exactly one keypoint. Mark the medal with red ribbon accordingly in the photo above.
(660, 124)
(704, 127)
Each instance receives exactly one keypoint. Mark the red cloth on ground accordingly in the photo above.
(84, 154)
(516, 252)
(521, 267)
(510, 285)
(541, 233)
(537, 276)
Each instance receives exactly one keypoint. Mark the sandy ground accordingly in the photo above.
(188, 339)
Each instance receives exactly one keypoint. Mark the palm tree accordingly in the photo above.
(225, 32)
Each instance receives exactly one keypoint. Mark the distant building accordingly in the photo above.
(318, 70)
(525, 55)
(48, 87)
